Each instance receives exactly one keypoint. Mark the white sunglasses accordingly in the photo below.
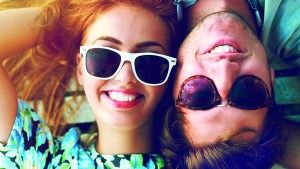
(149, 68)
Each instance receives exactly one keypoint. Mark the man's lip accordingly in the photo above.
(222, 42)
(215, 57)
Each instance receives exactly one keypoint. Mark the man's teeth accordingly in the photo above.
(124, 97)
(223, 49)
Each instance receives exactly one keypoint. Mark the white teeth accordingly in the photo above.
(223, 49)
(123, 97)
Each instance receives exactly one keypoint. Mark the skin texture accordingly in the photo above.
(120, 123)
(202, 8)
(223, 67)
(8, 46)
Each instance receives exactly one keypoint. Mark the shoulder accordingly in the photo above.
(30, 140)
(32, 143)
(281, 29)
(28, 124)
(291, 157)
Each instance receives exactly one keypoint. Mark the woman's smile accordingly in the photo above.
(123, 99)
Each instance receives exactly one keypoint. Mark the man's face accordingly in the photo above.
(222, 47)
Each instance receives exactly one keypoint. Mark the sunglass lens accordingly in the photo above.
(249, 92)
(151, 69)
(197, 93)
(102, 62)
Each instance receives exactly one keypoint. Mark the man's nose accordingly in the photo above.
(125, 75)
(224, 72)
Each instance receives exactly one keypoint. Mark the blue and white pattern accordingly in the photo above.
(31, 145)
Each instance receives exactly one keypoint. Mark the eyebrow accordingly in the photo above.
(243, 130)
(139, 45)
(110, 39)
(149, 43)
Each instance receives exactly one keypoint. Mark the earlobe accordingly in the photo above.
(78, 58)
(79, 70)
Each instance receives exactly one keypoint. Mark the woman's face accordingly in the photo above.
(123, 102)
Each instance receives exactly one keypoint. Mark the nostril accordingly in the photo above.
(126, 74)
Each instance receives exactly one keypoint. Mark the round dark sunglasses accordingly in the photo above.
(149, 68)
(247, 92)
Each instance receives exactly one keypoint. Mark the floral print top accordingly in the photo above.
(31, 145)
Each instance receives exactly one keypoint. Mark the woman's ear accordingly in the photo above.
(79, 69)
(78, 58)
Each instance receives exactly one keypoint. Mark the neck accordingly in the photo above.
(131, 141)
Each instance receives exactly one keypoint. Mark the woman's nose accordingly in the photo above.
(125, 75)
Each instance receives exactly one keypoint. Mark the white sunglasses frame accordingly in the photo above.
(128, 57)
